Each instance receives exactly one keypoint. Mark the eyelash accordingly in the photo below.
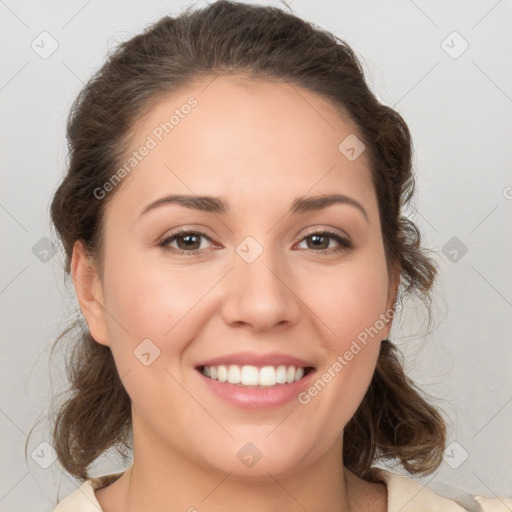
(164, 244)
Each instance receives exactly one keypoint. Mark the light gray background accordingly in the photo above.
(460, 113)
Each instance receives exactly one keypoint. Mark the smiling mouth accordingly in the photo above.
(255, 377)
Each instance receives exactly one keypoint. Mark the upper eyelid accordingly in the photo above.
(203, 230)
(325, 229)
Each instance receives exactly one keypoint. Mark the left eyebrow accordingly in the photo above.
(304, 204)
(217, 205)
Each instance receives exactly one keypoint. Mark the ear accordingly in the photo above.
(89, 291)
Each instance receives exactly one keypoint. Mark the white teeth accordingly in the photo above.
(234, 374)
(267, 376)
(248, 375)
(281, 374)
(222, 373)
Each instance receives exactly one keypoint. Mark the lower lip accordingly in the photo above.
(255, 399)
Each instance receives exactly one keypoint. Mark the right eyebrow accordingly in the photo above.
(203, 203)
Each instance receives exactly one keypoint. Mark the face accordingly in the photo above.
(218, 253)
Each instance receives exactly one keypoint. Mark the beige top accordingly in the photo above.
(404, 495)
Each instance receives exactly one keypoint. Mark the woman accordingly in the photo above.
(232, 223)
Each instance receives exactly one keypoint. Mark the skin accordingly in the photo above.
(258, 145)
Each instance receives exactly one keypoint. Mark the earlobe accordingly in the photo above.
(88, 289)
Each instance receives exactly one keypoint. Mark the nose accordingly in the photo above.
(261, 295)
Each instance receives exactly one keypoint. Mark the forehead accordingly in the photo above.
(254, 140)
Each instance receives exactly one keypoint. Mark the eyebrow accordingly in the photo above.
(217, 205)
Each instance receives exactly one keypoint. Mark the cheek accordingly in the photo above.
(153, 301)
(149, 324)
(142, 306)
(350, 301)
(139, 297)
(349, 304)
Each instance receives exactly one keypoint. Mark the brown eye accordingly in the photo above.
(318, 241)
(189, 242)
(186, 242)
(322, 242)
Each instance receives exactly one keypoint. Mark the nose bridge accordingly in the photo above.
(259, 294)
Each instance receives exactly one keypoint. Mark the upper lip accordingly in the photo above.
(259, 360)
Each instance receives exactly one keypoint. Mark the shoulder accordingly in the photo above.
(407, 495)
(84, 498)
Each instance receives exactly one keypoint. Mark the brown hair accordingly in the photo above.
(394, 421)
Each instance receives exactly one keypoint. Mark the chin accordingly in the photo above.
(257, 461)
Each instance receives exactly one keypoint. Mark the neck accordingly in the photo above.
(169, 483)
(216, 493)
